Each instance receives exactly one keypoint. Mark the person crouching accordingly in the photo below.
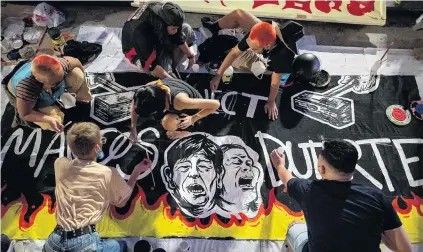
(84, 191)
(35, 89)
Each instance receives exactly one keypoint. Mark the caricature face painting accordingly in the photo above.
(241, 179)
(192, 174)
(206, 174)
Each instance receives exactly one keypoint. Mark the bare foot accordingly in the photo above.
(177, 134)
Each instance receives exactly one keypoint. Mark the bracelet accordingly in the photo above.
(190, 57)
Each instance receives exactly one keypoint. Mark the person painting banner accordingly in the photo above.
(157, 38)
(276, 43)
(35, 89)
(173, 96)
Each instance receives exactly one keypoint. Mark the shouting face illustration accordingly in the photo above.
(241, 177)
(192, 174)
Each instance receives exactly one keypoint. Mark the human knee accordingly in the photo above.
(170, 122)
(241, 12)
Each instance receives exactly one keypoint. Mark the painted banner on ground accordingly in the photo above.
(368, 12)
(232, 190)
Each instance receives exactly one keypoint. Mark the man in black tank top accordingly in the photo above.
(172, 96)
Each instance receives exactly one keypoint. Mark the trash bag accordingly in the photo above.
(46, 15)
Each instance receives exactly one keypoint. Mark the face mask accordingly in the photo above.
(258, 68)
(100, 154)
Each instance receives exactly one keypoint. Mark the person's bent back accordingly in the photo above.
(341, 215)
(84, 191)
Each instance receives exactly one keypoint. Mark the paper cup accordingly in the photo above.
(184, 246)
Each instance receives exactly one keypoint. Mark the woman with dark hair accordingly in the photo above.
(156, 38)
(170, 96)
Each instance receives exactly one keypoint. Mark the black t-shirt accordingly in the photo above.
(178, 86)
(149, 32)
(342, 216)
(280, 56)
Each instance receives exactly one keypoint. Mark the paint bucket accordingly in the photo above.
(57, 39)
(184, 246)
(143, 246)
(56, 36)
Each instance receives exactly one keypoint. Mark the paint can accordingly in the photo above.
(398, 115)
(57, 39)
(227, 75)
(184, 246)
(280, 151)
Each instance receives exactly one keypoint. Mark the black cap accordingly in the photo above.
(170, 12)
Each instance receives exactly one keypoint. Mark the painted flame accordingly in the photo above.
(156, 220)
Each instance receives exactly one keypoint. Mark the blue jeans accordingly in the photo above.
(85, 243)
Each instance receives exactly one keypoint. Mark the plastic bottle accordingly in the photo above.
(227, 75)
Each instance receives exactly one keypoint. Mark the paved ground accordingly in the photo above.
(398, 28)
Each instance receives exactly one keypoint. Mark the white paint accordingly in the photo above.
(50, 151)
(360, 169)
(288, 155)
(373, 143)
(18, 150)
(406, 161)
(253, 103)
(313, 146)
(231, 104)
(143, 143)
(309, 165)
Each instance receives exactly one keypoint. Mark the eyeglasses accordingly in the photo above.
(103, 140)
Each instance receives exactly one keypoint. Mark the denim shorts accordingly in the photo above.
(85, 243)
(297, 236)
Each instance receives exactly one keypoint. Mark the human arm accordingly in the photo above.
(160, 73)
(26, 111)
(394, 235)
(229, 59)
(278, 161)
(397, 240)
(206, 107)
(187, 51)
(270, 107)
(74, 63)
(120, 191)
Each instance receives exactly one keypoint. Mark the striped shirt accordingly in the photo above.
(29, 89)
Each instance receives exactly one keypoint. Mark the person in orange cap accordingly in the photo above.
(34, 89)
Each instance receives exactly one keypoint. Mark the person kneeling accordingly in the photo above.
(267, 45)
(84, 191)
(157, 38)
(35, 88)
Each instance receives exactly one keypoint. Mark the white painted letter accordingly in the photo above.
(405, 161)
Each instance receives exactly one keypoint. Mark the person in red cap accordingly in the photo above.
(266, 41)
(34, 88)
(157, 38)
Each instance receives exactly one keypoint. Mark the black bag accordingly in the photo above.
(216, 48)
(84, 51)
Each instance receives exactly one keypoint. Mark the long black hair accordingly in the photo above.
(150, 100)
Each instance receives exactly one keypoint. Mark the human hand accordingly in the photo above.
(144, 165)
(56, 125)
(191, 62)
(185, 122)
(278, 159)
(134, 135)
(214, 83)
(271, 110)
